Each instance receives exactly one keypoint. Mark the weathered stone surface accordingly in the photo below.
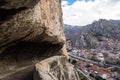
(9, 4)
(55, 68)
(43, 22)
(31, 31)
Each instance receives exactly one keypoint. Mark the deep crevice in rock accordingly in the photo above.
(3, 2)
(16, 41)
(6, 14)
(26, 53)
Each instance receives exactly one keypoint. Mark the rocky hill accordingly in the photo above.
(71, 32)
(103, 34)
(32, 41)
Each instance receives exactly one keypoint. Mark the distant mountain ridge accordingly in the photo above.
(99, 34)
(70, 30)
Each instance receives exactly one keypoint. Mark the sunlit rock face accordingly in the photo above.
(41, 21)
(30, 31)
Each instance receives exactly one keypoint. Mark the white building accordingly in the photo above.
(100, 57)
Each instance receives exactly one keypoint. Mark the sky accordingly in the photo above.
(83, 12)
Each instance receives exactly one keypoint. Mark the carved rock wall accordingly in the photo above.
(30, 31)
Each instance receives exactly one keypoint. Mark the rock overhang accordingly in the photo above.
(30, 31)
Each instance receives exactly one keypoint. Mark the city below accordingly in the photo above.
(94, 66)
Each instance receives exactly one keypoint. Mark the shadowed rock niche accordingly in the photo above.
(23, 55)
(31, 31)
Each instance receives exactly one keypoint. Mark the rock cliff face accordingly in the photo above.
(30, 31)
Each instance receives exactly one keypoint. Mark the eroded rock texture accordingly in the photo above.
(55, 68)
(30, 31)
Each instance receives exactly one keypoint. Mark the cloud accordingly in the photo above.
(83, 13)
(64, 3)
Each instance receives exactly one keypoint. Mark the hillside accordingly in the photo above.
(103, 34)
(71, 32)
